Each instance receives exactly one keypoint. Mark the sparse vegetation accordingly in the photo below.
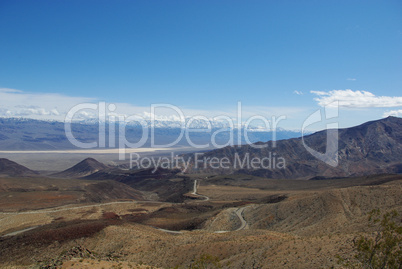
(306, 229)
(206, 261)
(382, 247)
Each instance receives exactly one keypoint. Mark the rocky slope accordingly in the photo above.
(371, 148)
(13, 169)
(82, 169)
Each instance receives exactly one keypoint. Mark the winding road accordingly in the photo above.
(243, 222)
(238, 212)
(206, 198)
(66, 208)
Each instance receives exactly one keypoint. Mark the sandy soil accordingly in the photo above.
(11, 222)
(308, 229)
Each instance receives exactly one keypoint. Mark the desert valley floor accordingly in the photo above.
(229, 221)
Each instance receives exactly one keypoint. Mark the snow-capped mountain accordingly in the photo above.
(30, 134)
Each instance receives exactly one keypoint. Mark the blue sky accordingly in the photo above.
(276, 57)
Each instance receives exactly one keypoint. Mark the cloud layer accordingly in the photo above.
(355, 99)
(395, 113)
(50, 106)
(46, 106)
(16, 103)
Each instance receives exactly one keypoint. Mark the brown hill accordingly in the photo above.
(29, 193)
(309, 229)
(165, 184)
(13, 169)
(82, 169)
(371, 148)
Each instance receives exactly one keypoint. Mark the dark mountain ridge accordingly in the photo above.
(82, 169)
(370, 148)
(13, 169)
(167, 184)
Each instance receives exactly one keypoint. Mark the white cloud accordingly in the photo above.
(17, 103)
(355, 99)
(298, 92)
(395, 113)
(9, 90)
(50, 106)
(351, 79)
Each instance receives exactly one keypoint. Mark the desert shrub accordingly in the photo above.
(67, 231)
(206, 261)
(382, 248)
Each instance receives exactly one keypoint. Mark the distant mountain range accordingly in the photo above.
(371, 148)
(30, 134)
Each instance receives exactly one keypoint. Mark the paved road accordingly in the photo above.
(238, 212)
(64, 208)
(20, 231)
(243, 222)
(206, 198)
(195, 188)
(169, 231)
